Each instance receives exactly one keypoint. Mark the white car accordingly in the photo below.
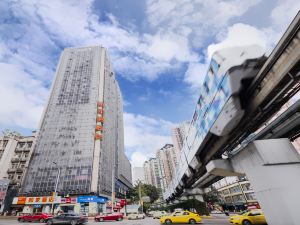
(136, 216)
(159, 214)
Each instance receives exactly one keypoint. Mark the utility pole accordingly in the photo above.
(113, 189)
(125, 205)
(55, 190)
(140, 196)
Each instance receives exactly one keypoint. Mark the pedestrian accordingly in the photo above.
(226, 212)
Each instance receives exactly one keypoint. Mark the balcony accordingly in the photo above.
(15, 159)
(20, 170)
(22, 149)
(23, 159)
(11, 170)
(14, 182)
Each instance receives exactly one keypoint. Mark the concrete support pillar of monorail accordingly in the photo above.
(273, 169)
(194, 193)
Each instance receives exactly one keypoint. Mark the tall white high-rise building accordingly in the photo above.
(166, 160)
(138, 175)
(159, 171)
(81, 131)
(152, 173)
(178, 135)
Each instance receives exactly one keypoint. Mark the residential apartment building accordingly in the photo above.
(15, 153)
(236, 193)
(80, 137)
(152, 173)
(160, 170)
(178, 135)
(167, 161)
(138, 175)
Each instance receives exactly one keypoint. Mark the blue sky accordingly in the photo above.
(159, 49)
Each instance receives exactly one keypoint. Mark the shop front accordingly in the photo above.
(88, 205)
(67, 205)
(31, 205)
(91, 205)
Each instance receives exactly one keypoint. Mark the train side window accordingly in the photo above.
(206, 87)
(210, 72)
(195, 117)
(215, 66)
(200, 101)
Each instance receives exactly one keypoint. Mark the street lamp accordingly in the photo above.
(55, 190)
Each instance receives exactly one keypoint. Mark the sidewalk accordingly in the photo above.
(8, 217)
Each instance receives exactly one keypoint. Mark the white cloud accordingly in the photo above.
(32, 40)
(170, 46)
(195, 19)
(195, 74)
(235, 35)
(22, 97)
(239, 35)
(138, 159)
(145, 135)
(283, 13)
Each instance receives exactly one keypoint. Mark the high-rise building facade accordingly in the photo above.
(138, 175)
(152, 174)
(166, 160)
(178, 135)
(235, 193)
(81, 132)
(15, 154)
(159, 171)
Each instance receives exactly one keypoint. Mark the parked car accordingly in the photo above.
(181, 217)
(68, 218)
(136, 216)
(150, 213)
(248, 218)
(110, 216)
(159, 214)
(41, 217)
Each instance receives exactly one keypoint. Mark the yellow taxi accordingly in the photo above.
(248, 218)
(181, 217)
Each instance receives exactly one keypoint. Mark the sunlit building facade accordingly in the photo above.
(138, 175)
(152, 173)
(15, 154)
(236, 193)
(178, 135)
(166, 161)
(81, 132)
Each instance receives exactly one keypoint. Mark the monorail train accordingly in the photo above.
(219, 109)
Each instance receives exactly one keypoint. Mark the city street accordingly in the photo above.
(148, 221)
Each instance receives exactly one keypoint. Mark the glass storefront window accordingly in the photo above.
(228, 200)
(84, 208)
(226, 192)
(250, 196)
(238, 198)
(235, 189)
(67, 208)
(246, 187)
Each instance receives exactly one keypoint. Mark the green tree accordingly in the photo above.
(212, 196)
(146, 190)
(151, 191)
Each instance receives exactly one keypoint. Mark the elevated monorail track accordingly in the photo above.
(277, 81)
